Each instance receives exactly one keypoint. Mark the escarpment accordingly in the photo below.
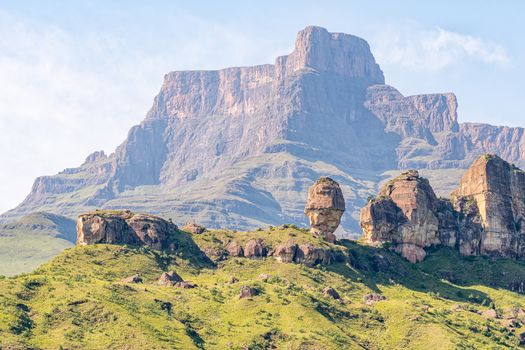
(483, 217)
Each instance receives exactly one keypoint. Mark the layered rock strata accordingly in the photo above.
(325, 207)
(125, 227)
(483, 217)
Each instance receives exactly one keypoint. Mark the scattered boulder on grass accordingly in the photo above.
(169, 279)
(255, 249)
(330, 292)
(285, 252)
(132, 279)
(233, 280)
(263, 277)
(234, 249)
(373, 298)
(185, 285)
(490, 313)
(248, 292)
(194, 228)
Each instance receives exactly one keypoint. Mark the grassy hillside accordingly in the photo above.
(33, 240)
(78, 301)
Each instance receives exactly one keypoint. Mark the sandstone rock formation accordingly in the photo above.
(234, 249)
(325, 207)
(132, 279)
(169, 278)
(408, 214)
(495, 190)
(484, 216)
(255, 248)
(125, 227)
(285, 252)
(265, 127)
(247, 292)
(372, 298)
(330, 292)
(194, 228)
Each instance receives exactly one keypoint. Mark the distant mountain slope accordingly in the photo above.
(32, 240)
(238, 147)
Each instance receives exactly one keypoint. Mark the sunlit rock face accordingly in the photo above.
(125, 227)
(238, 147)
(495, 190)
(408, 214)
(325, 207)
(484, 216)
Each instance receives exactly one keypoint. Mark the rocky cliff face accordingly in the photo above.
(125, 227)
(238, 147)
(408, 214)
(484, 216)
(497, 190)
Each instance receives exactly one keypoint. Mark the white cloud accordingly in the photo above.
(65, 94)
(434, 50)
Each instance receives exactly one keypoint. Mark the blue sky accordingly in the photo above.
(77, 75)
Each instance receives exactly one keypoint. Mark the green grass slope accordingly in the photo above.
(78, 301)
(33, 240)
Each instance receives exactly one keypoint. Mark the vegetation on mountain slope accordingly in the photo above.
(78, 301)
(33, 240)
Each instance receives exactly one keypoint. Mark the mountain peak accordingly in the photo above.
(345, 54)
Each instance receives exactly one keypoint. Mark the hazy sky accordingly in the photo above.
(76, 75)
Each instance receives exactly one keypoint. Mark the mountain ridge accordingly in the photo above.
(237, 147)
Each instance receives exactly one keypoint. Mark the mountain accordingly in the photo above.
(238, 147)
(32, 240)
(106, 296)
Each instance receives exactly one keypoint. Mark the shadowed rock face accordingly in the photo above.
(496, 190)
(240, 146)
(484, 216)
(125, 227)
(408, 214)
(324, 207)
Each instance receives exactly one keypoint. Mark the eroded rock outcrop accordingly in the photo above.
(125, 227)
(483, 217)
(407, 214)
(495, 191)
(325, 207)
(169, 278)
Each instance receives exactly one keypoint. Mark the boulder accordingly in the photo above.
(263, 277)
(233, 280)
(330, 292)
(490, 313)
(373, 298)
(310, 255)
(132, 279)
(125, 227)
(325, 207)
(234, 249)
(247, 292)
(495, 191)
(285, 252)
(194, 228)
(185, 285)
(169, 278)
(408, 214)
(255, 249)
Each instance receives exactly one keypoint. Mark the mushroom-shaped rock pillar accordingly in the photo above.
(325, 207)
